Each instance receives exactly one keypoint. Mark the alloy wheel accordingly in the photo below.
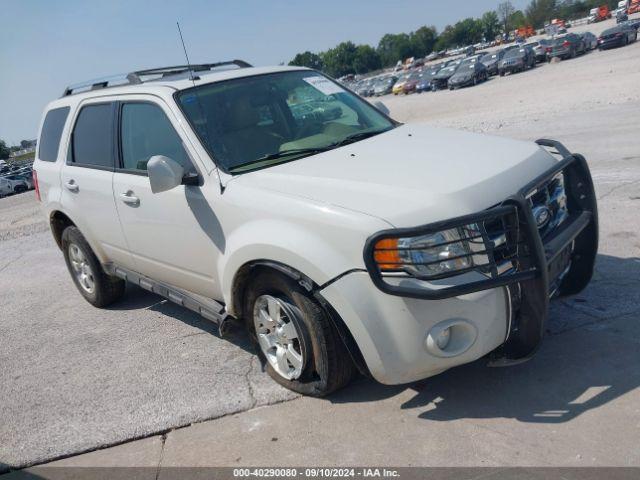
(275, 321)
(81, 268)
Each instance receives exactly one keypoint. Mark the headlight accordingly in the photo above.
(437, 255)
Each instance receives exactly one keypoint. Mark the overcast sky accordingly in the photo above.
(46, 45)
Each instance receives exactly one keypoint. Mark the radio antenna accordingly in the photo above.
(191, 77)
(195, 91)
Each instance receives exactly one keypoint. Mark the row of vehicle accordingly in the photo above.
(479, 67)
(15, 179)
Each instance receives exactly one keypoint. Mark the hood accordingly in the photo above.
(411, 175)
(441, 75)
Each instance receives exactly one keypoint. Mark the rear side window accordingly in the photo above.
(93, 137)
(51, 132)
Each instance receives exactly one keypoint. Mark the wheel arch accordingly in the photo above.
(58, 221)
(242, 279)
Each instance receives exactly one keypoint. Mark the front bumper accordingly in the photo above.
(461, 83)
(610, 43)
(510, 68)
(501, 313)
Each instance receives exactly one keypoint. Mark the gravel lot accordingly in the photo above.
(76, 378)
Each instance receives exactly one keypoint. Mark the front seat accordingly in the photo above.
(244, 140)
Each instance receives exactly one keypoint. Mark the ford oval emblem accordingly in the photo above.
(542, 216)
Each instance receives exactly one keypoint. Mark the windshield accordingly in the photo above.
(514, 52)
(447, 70)
(255, 122)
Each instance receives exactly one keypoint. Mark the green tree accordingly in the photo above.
(517, 20)
(541, 11)
(338, 61)
(307, 59)
(4, 150)
(366, 59)
(423, 40)
(490, 25)
(393, 47)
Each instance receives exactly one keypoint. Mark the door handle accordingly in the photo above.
(72, 186)
(130, 199)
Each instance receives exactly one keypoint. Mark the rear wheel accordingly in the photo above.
(98, 288)
(295, 338)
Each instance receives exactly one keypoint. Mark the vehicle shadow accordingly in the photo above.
(588, 358)
(137, 298)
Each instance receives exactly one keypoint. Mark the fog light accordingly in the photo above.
(443, 338)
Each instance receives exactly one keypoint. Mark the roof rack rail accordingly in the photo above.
(140, 76)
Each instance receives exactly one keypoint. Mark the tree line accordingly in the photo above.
(349, 58)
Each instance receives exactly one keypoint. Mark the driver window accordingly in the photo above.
(146, 131)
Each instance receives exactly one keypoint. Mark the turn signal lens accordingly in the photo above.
(386, 254)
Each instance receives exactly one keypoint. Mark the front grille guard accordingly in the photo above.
(530, 255)
(527, 285)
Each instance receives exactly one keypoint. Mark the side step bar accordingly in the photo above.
(207, 308)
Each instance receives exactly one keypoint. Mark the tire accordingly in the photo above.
(320, 363)
(20, 189)
(502, 74)
(97, 288)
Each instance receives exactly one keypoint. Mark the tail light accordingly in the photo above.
(619, 34)
(548, 49)
(566, 43)
(36, 186)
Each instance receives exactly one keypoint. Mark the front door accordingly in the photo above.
(173, 236)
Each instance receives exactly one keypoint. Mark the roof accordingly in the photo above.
(167, 85)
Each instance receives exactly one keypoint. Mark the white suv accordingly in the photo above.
(343, 239)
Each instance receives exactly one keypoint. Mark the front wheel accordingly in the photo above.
(294, 336)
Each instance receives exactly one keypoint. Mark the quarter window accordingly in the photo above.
(51, 132)
(93, 137)
(146, 131)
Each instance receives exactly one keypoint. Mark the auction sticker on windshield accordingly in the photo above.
(324, 85)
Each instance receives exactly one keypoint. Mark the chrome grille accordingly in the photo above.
(552, 199)
(508, 245)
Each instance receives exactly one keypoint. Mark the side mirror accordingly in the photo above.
(381, 106)
(164, 173)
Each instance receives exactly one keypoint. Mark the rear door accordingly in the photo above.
(87, 176)
(174, 236)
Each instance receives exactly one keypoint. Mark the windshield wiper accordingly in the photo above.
(354, 137)
(309, 151)
(282, 154)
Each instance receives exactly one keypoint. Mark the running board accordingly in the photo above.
(207, 308)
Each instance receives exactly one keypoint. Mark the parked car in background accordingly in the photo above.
(425, 82)
(366, 88)
(468, 73)
(5, 187)
(399, 85)
(517, 60)
(622, 16)
(440, 80)
(635, 23)
(412, 82)
(16, 184)
(590, 40)
(384, 86)
(491, 61)
(540, 49)
(618, 36)
(26, 178)
(567, 46)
